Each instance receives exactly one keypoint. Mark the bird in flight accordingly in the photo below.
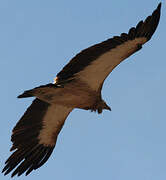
(78, 85)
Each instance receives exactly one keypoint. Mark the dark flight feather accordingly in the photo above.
(87, 56)
(28, 151)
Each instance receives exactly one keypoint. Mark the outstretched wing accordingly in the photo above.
(94, 64)
(34, 136)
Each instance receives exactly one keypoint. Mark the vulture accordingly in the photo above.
(77, 85)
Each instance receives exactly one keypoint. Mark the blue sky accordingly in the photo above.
(37, 38)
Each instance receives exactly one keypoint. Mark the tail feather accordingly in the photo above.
(26, 94)
(32, 92)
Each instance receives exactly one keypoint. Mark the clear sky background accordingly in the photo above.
(37, 38)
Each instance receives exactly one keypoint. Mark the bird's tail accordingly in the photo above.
(25, 94)
(37, 90)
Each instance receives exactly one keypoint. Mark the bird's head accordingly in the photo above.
(102, 105)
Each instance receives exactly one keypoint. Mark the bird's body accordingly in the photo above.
(72, 94)
(78, 85)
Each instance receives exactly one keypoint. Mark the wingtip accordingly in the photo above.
(159, 5)
(158, 9)
(151, 23)
(3, 170)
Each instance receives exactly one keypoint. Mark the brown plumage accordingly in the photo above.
(78, 85)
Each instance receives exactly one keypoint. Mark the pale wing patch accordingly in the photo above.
(98, 70)
(55, 80)
(52, 124)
